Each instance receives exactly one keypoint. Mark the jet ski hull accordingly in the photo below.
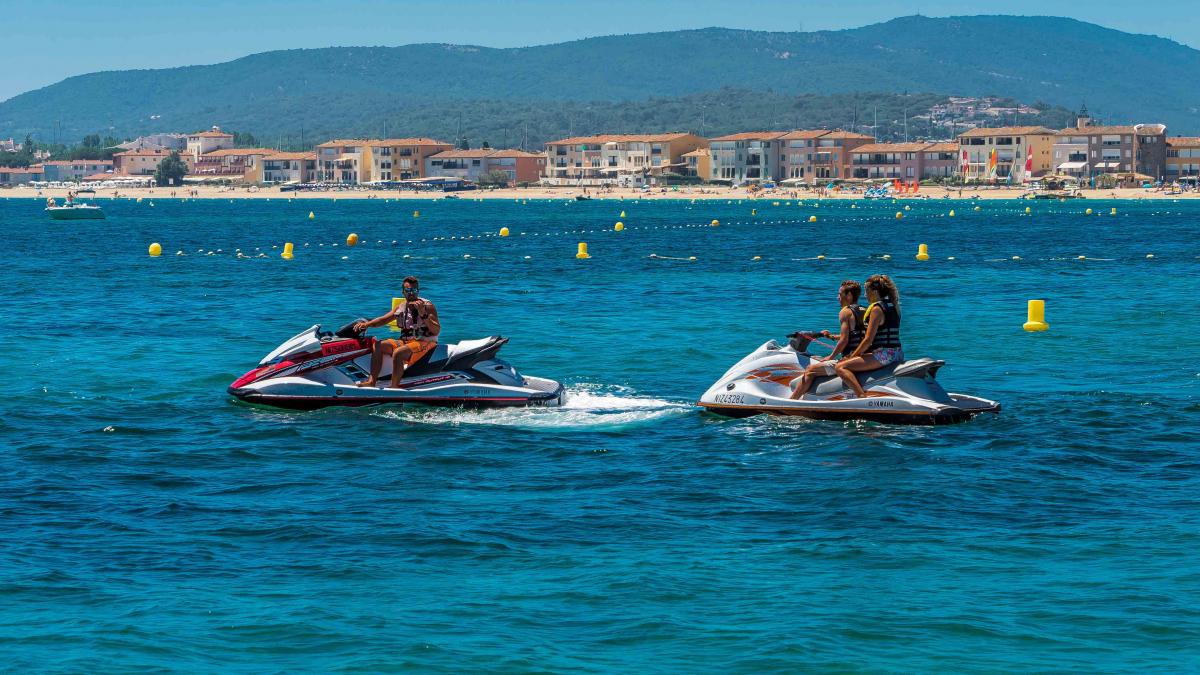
(905, 393)
(318, 370)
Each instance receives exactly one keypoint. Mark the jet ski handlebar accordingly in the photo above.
(347, 331)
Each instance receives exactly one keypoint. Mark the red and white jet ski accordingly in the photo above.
(316, 369)
(901, 393)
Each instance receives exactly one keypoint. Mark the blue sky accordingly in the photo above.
(48, 40)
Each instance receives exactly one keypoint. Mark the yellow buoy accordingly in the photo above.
(582, 253)
(978, 208)
(774, 203)
(812, 219)
(619, 226)
(1027, 210)
(907, 207)
(757, 258)
(622, 214)
(1113, 211)
(311, 215)
(352, 239)
(951, 214)
(139, 200)
(287, 251)
(754, 212)
(820, 257)
(504, 232)
(1037, 316)
(1088, 212)
(922, 251)
(715, 222)
(155, 250)
(899, 215)
(416, 214)
(854, 206)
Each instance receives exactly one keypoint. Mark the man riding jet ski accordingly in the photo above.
(316, 369)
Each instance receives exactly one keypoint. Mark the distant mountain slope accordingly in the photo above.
(1122, 77)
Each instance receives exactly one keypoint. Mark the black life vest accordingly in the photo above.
(857, 331)
(888, 334)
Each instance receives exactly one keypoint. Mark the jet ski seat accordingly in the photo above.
(828, 386)
(454, 357)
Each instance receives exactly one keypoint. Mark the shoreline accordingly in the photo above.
(623, 194)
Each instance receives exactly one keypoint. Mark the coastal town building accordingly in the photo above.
(1013, 148)
(1089, 149)
(20, 175)
(517, 166)
(204, 142)
(176, 142)
(906, 162)
(401, 158)
(940, 160)
(284, 167)
(227, 162)
(698, 163)
(1183, 158)
(341, 161)
(138, 162)
(831, 154)
(627, 159)
(796, 150)
(74, 169)
(747, 157)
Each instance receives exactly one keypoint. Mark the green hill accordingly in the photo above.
(597, 83)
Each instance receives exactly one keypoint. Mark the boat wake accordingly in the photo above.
(593, 407)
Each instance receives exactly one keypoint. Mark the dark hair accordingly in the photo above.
(884, 287)
(412, 281)
(851, 286)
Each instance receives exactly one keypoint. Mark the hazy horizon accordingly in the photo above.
(102, 38)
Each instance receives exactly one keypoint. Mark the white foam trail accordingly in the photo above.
(586, 407)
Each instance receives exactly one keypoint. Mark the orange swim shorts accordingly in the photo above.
(419, 348)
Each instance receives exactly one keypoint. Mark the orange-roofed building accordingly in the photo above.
(204, 142)
(344, 161)
(624, 159)
(229, 163)
(475, 165)
(287, 167)
(402, 158)
(1014, 147)
(143, 162)
(1183, 157)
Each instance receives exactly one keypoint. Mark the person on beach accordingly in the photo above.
(850, 334)
(419, 328)
(880, 345)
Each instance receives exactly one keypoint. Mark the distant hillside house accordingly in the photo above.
(625, 159)
(1013, 146)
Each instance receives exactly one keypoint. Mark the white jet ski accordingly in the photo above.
(316, 369)
(901, 393)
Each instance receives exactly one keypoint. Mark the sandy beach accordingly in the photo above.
(716, 193)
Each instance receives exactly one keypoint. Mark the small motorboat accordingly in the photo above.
(582, 198)
(317, 369)
(901, 393)
(73, 210)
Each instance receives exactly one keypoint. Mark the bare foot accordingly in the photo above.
(394, 385)
(370, 382)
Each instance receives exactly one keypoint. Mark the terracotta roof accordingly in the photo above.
(408, 141)
(799, 134)
(1184, 141)
(235, 152)
(620, 138)
(698, 152)
(750, 136)
(338, 142)
(291, 155)
(1095, 131)
(848, 135)
(464, 154)
(891, 147)
(144, 152)
(515, 153)
(983, 132)
(100, 176)
(942, 147)
(17, 169)
(212, 134)
(69, 162)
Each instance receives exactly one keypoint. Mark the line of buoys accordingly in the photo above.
(352, 239)
(922, 251)
(287, 251)
(582, 252)
(155, 250)
(1036, 318)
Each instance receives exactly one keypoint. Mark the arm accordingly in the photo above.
(377, 321)
(429, 312)
(872, 328)
(843, 335)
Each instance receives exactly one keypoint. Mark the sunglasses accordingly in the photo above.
(411, 291)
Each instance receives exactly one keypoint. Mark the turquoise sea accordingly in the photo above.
(148, 523)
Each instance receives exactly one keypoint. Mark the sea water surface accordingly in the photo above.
(148, 522)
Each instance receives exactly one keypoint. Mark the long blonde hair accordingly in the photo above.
(884, 287)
